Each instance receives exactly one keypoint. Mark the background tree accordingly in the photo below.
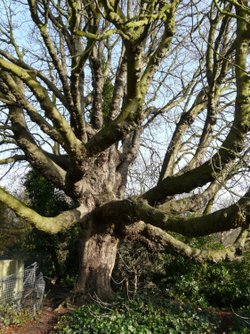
(175, 72)
(12, 231)
(56, 254)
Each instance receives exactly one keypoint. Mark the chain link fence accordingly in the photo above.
(23, 290)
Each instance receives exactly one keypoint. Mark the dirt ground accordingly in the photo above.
(42, 325)
(46, 320)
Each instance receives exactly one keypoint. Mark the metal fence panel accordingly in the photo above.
(23, 290)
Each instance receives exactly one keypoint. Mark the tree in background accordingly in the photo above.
(56, 254)
(12, 231)
(175, 73)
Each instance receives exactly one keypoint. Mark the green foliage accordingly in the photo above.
(69, 280)
(43, 196)
(56, 254)
(209, 284)
(11, 316)
(242, 323)
(206, 242)
(12, 230)
(193, 287)
(139, 317)
(107, 94)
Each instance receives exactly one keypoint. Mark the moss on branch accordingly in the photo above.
(51, 225)
(170, 243)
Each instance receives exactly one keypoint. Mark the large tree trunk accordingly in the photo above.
(99, 249)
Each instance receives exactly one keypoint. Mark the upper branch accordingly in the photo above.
(233, 143)
(33, 153)
(163, 47)
(22, 102)
(12, 159)
(138, 79)
(42, 26)
(72, 144)
(97, 83)
(39, 74)
(187, 118)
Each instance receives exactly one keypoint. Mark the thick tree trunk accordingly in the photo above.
(98, 257)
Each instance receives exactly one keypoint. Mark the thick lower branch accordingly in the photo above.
(218, 221)
(170, 243)
(50, 225)
(126, 212)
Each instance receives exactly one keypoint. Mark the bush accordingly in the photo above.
(210, 284)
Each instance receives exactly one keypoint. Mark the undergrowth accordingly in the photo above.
(148, 316)
(12, 316)
(139, 316)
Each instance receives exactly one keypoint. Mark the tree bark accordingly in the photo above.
(98, 255)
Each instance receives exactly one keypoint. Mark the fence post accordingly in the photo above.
(11, 281)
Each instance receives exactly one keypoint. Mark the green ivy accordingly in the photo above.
(139, 317)
(209, 284)
(206, 285)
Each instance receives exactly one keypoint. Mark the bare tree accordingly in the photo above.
(86, 87)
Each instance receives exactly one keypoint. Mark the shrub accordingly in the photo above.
(210, 284)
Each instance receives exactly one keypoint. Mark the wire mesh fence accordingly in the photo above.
(24, 289)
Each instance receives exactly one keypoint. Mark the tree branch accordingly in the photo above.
(51, 225)
(12, 159)
(22, 102)
(172, 244)
(39, 74)
(62, 71)
(184, 123)
(72, 144)
(33, 153)
(131, 210)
